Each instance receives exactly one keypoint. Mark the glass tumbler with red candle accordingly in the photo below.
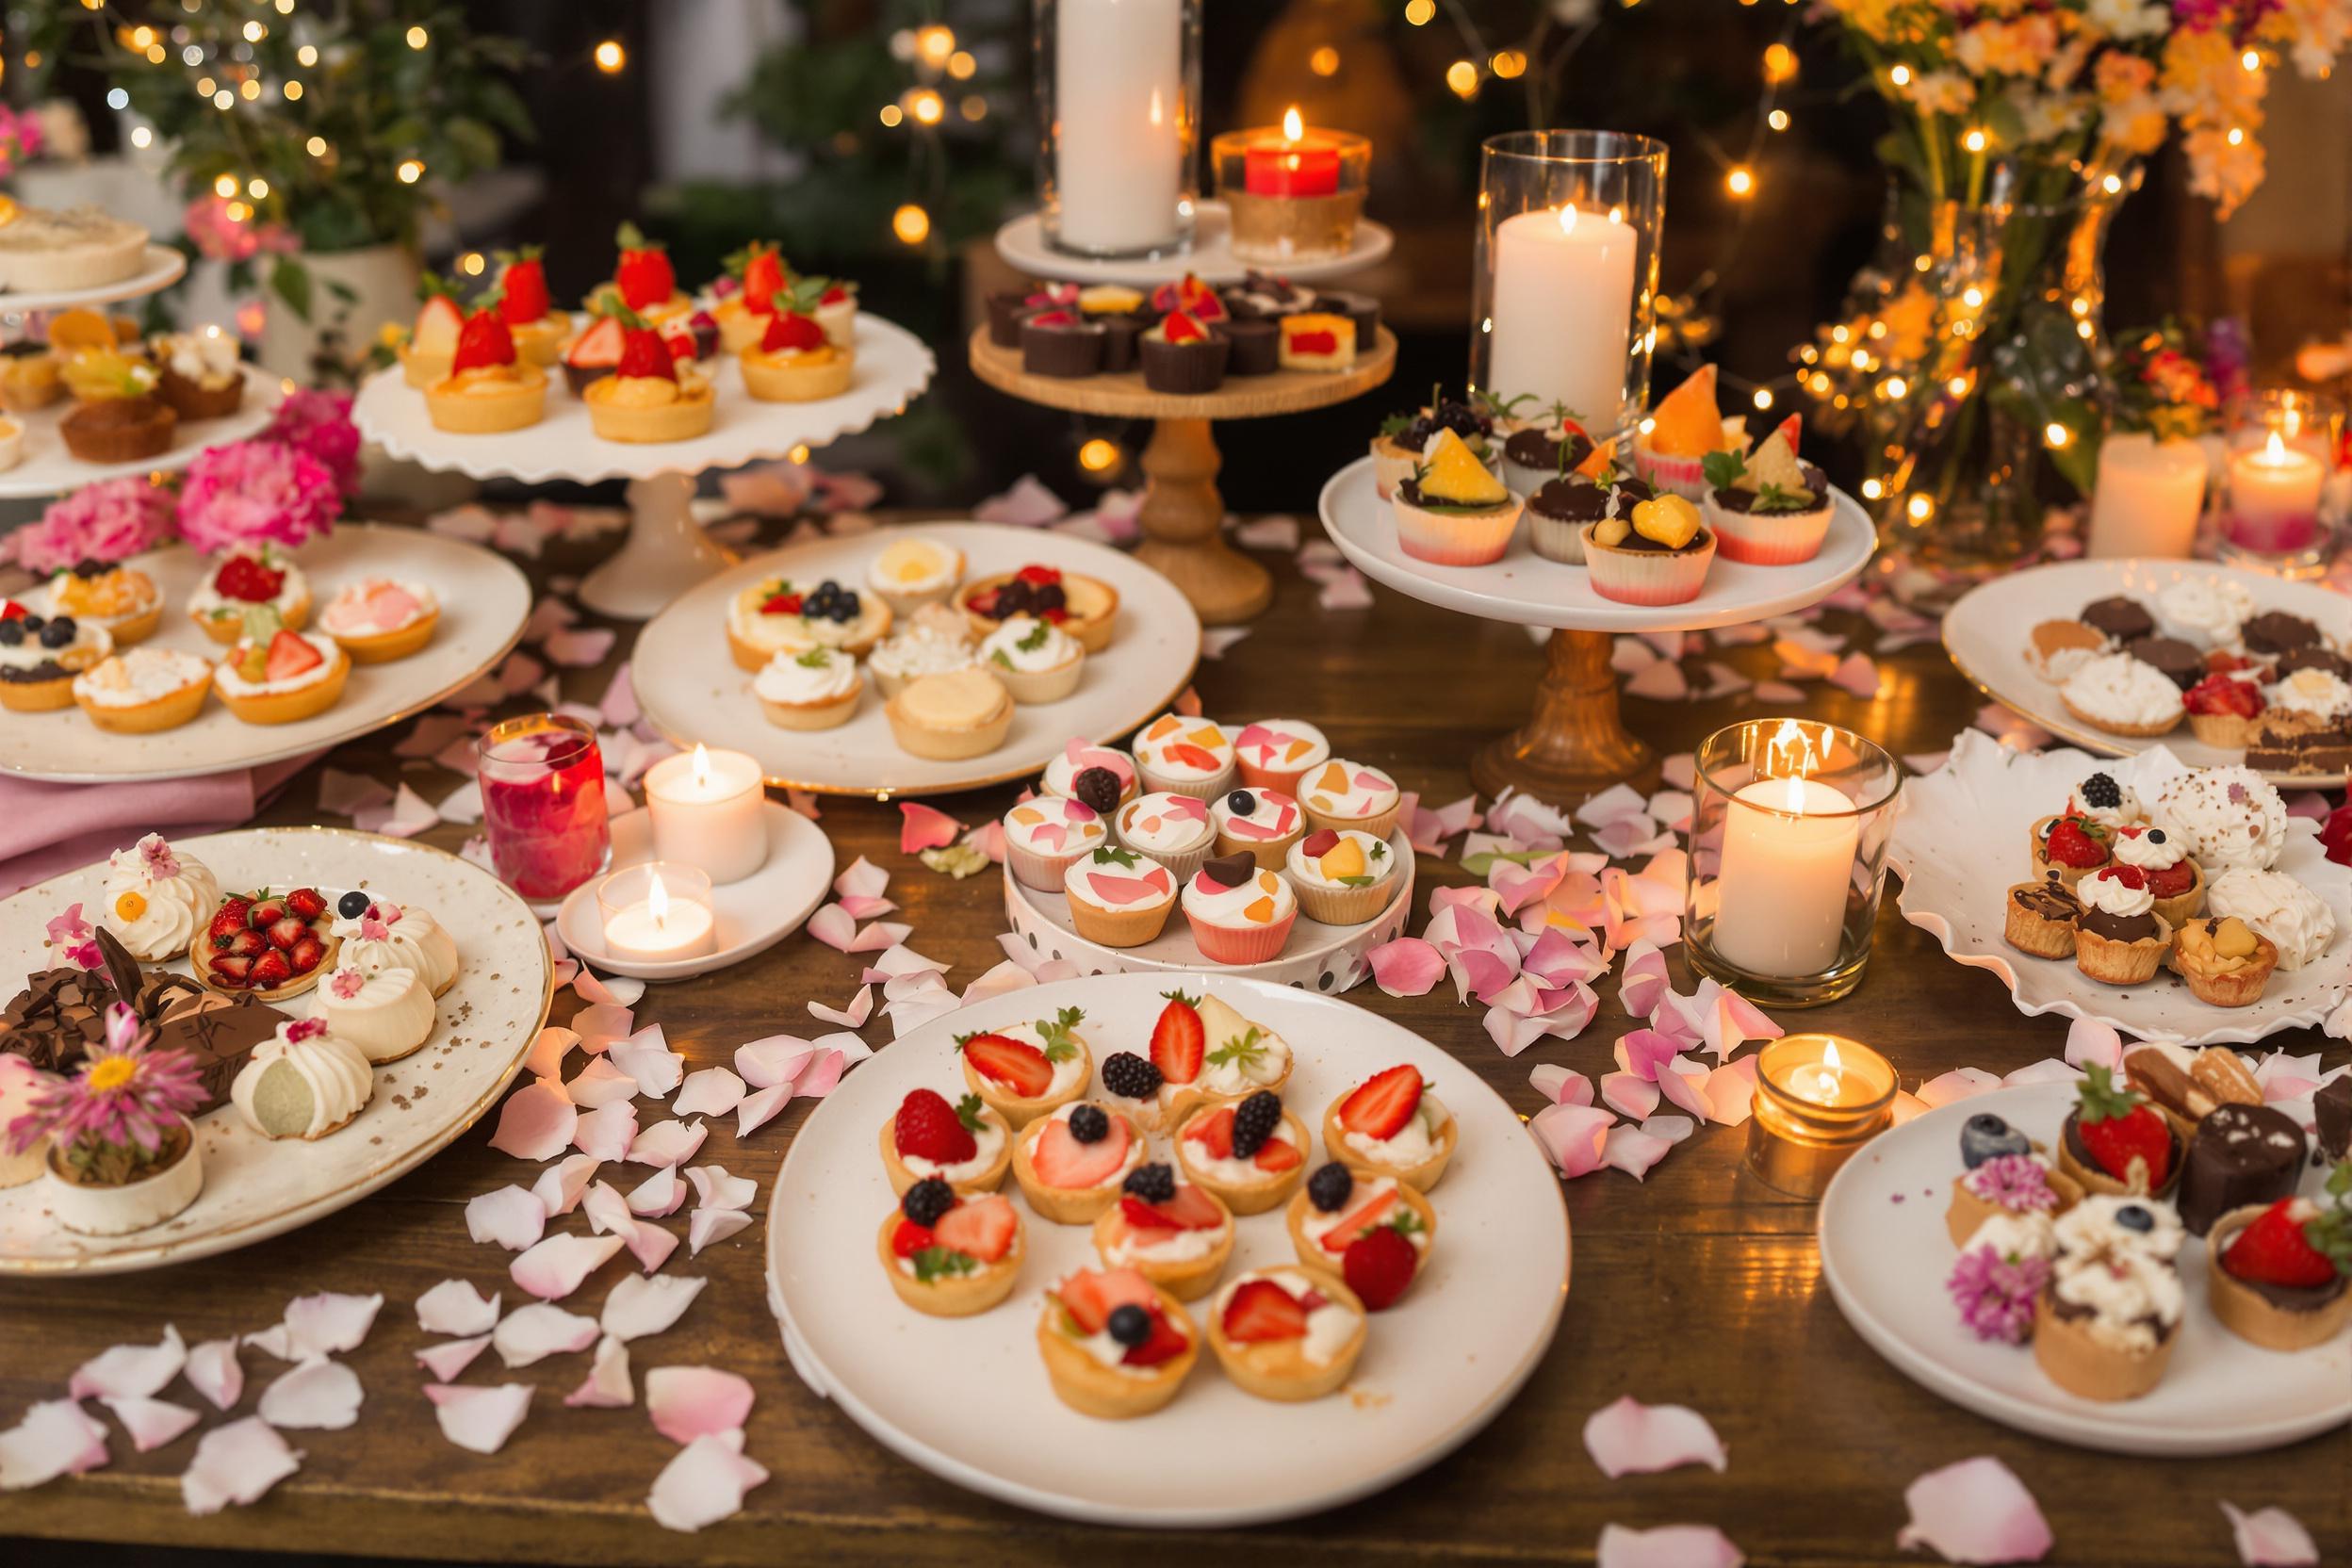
(543, 804)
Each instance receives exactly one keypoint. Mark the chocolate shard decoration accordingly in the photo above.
(1232, 870)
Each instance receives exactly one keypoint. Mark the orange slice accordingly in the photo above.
(1687, 422)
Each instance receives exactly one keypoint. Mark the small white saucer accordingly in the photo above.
(753, 914)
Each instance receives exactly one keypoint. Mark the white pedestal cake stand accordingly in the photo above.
(1210, 256)
(1575, 744)
(667, 551)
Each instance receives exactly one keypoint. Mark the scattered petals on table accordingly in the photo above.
(57, 1437)
(536, 1121)
(760, 1107)
(619, 990)
(704, 1483)
(647, 1058)
(708, 1091)
(2012, 729)
(833, 925)
(237, 1463)
(1632, 1151)
(2050, 1070)
(1959, 1084)
(643, 1304)
(1000, 978)
(1731, 1092)
(687, 1402)
(1661, 681)
(1683, 1080)
(879, 936)
(533, 1332)
(511, 1216)
(130, 1371)
(1629, 1094)
(668, 1142)
(923, 827)
(214, 1371)
(658, 1194)
(560, 1185)
(556, 1267)
(775, 1059)
(455, 1307)
(1027, 504)
(408, 815)
(342, 793)
(1629, 1438)
(151, 1423)
(1559, 1086)
(1573, 1136)
(1976, 1511)
(2270, 1538)
(329, 1322)
(1666, 1546)
(1215, 640)
(1856, 674)
(599, 1084)
(851, 1017)
(715, 1189)
(705, 1226)
(319, 1394)
(607, 1385)
(1407, 967)
(448, 1360)
(606, 1133)
(480, 1420)
(601, 1026)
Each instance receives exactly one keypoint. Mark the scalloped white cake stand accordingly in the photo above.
(1209, 258)
(667, 551)
(1576, 743)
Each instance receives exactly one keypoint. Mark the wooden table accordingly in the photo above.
(1697, 1286)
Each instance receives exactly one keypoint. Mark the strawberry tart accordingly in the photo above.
(1079, 759)
(379, 619)
(540, 329)
(1173, 829)
(1276, 754)
(1176, 1234)
(246, 580)
(966, 1145)
(1373, 1230)
(489, 389)
(1047, 834)
(1287, 1333)
(1343, 794)
(1114, 1345)
(387, 1014)
(1070, 1165)
(1250, 1158)
(651, 396)
(794, 361)
(950, 1253)
(1239, 912)
(1342, 878)
(779, 615)
(1155, 1091)
(2115, 1142)
(1085, 606)
(269, 945)
(1026, 1071)
(376, 934)
(1117, 897)
(2279, 1274)
(1261, 824)
(1182, 756)
(1391, 1125)
(281, 676)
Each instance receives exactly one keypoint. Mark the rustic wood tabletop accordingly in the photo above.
(1697, 1286)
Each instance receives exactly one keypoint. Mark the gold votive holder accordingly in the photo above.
(1819, 1097)
(1293, 193)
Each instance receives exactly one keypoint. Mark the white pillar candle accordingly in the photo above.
(2147, 497)
(708, 811)
(662, 929)
(1563, 311)
(2274, 495)
(1788, 848)
(1119, 141)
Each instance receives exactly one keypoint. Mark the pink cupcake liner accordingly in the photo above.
(1649, 576)
(1379, 824)
(1199, 789)
(1771, 539)
(1043, 871)
(1253, 944)
(1685, 475)
(1444, 541)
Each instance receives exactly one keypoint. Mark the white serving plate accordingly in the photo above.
(160, 266)
(484, 604)
(691, 690)
(258, 1187)
(1318, 957)
(1985, 633)
(1525, 588)
(1885, 1255)
(946, 1394)
(893, 367)
(753, 913)
(1960, 845)
(1210, 256)
(47, 469)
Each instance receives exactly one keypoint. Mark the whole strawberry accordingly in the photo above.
(2295, 1243)
(2075, 841)
(929, 1128)
(523, 286)
(2120, 1129)
(644, 274)
(644, 354)
(482, 343)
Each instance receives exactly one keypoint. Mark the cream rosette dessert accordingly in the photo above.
(1037, 660)
(1176, 1233)
(302, 1082)
(1184, 755)
(142, 691)
(813, 689)
(156, 900)
(1345, 794)
(1391, 1125)
(1239, 913)
(1117, 897)
(2275, 905)
(1275, 754)
(928, 643)
(1261, 823)
(2228, 819)
(2106, 800)
(387, 1014)
(1342, 878)
(379, 619)
(2121, 696)
(2317, 698)
(1069, 1165)
(1287, 1333)
(1044, 836)
(913, 572)
(2206, 612)
(246, 580)
(40, 655)
(377, 934)
(2106, 1323)
(1173, 829)
(1078, 758)
(2174, 880)
(1024, 1070)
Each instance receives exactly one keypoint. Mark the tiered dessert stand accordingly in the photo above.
(1182, 510)
(667, 551)
(1576, 743)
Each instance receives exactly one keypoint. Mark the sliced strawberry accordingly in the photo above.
(979, 1227)
(929, 1128)
(230, 969)
(263, 913)
(837, 294)
(1319, 844)
(1214, 1132)
(1191, 1209)
(1040, 576)
(2172, 880)
(1178, 1040)
(246, 944)
(1164, 1345)
(1378, 1266)
(1062, 1161)
(1275, 1156)
(1365, 1216)
(244, 577)
(644, 354)
(763, 274)
(911, 1238)
(1091, 1298)
(306, 902)
(599, 346)
(1380, 1106)
(782, 604)
(1260, 1312)
(1018, 1067)
(306, 954)
(290, 654)
(1181, 328)
(270, 972)
(284, 934)
(228, 926)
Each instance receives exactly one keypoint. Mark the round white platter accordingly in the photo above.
(1525, 588)
(1210, 256)
(160, 267)
(1986, 630)
(1885, 1256)
(258, 1187)
(691, 690)
(48, 470)
(1961, 843)
(946, 1393)
(754, 914)
(1318, 957)
(485, 603)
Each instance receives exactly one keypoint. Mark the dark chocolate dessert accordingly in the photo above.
(1181, 357)
(2180, 664)
(1573, 500)
(1547, 449)
(2121, 619)
(1058, 343)
(1261, 297)
(2050, 899)
(2333, 1108)
(2241, 1155)
(1362, 309)
(2313, 657)
(1006, 307)
(1255, 342)
(2300, 745)
(2274, 634)
(2141, 927)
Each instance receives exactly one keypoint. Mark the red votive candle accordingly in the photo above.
(543, 804)
(1292, 164)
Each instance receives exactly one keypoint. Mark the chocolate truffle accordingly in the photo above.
(1182, 365)
(1006, 307)
(2241, 1155)
(2180, 664)
(2121, 619)
(2274, 634)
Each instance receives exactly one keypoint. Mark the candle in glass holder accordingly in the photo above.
(1292, 192)
(2273, 495)
(1292, 162)
(2147, 497)
(1563, 315)
(1819, 1097)
(1121, 146)
(1788, 846)
(707, 810)
(658, 913)
(543, 805)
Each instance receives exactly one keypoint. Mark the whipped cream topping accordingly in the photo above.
(1161, 824)
(2206, 611)
(2321, 694)
(1417, 1140)
(156, 900)
(389, 936)
(2116, 688)
(2105, 891)
(2274, 905)
(1055, 825)
(1119, 879)
(138, 675)
(1174, 746)
(1272, 815)
(334, 1070)
(2016, 1236)
(1344, 788)
(921, 649)
(1281, 745)
(226, 676)
(1264, 899)
(1378, 862)
(1061, 774)
(2149, 848)
(2123, 1275)
(807, 679)
(1029, 645)
(2229, 818)
(1329, 1326)
(206, 357)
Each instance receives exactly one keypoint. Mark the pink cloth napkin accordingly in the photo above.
(46, 829)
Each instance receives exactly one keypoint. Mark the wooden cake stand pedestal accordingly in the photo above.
(1183, 514)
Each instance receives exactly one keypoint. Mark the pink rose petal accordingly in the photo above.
(659, 1194)
(1406, 967)
(862, 878)
(601, 1082)
(599, 1026)
(320, 1395)
(130, 1371)
(511, 1218)
(560, 1185)
(606, 1133)
(707, 1227)
(1629, 1094)
(450, 1359)
(2088, 1042)
(715, 1189)
(57, 1437)
(1666, 1546)
(824, 1074)
(455, 1307)
(151, 1423)
(214, 1371)
(777, 1059)
(536, 1121)
(2271, 1537)
(480, 1420)
(1959, 1084)
(534, 1333)
(704, 1483)
(1642, 981)
(833, 927)
(2050, 1070)
(556, 1267)
(1559, 1086)
(760, 1107)
(330, 1323)
(1632, 1151)
(646, 1056)
(1573, 1136)
(1684, 1082)
(651, 1246)
(607, 1385)
(922, 827)
(619, 990)
(237, 1463)
(1976, 1511)
(1643, 1052)
(644, 1304)
(687, 1402)
(860, 1008)
(1731, 1092)
(1629, 1438)
(547, 1049)
(668, 1142)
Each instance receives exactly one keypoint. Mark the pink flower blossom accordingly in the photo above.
(110, 521)
(1995, 1295)
(256, 492)
(20, 139)
(122, 1094)
(2017, 1183)
(216, 233)
(319, 422)
(72, 939)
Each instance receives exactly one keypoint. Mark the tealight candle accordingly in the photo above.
(658, 913)
(1819, 1097)
(709, 810)
(2273, 495)
(1293, 193)
(1294, 161)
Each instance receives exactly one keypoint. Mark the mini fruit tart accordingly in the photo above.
(2116, 1143)
(2223, 961)
(143, 691)
(1344, 795)
(1113, 1346)
(912, 572)
(2069, 847)
(651, 396)
(197, 373)
(2225, 711)
(1240, 1057)
(1046, 835)
(1765, 507)
(540, 329)
(1080, 759)
(2003, 1174)
(1342, 878)
(813, 689)
(1070, 1165)
(40, 655)
(1657, 555)
(1287, 1333)
(431, 342)
(1084, 607)
(835, 307)
(2039, 918)
(1037, 661)
(1391, 1125)
(779, 615)
(2279, 1274)
(379, 619)
(489, 389)
(1260, 823)
(123, 600)
(1177, 1234)
(2121, 938)
(270, 945)
(951, 716)
(1453, 511)
(376, 934)
(1250, 1156)
(1318, 340)
(2174, 880)
(1173, 829)
(1372, 1231)
(1156, 1093)
(643, 279)
(794, 361)
(1117, 897)
(280, 676)
(1403, 444)
(1539, 449)
(1026, 1071)
(1182, 755)
(950, 1254)
(2120, 694)
(966, 1144)
(246, 580)
(759, 275)
(1239, 913)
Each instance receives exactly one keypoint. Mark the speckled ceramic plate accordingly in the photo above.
(1956, 889)
(946, 1393)
(254, 1187)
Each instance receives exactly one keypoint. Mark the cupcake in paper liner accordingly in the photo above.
(1670, 451)
(1658, 555)
(1117, 897)
(1767, 509)
(1239, 913)
(1453, 512)
(1173, 829)
(1044, 835)
(1342, 878)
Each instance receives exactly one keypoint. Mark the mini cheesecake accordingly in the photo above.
(1318, 340)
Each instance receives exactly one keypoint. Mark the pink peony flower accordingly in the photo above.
(319, 422)
(221, 236)
(1995, 1295)
(256, 492)
(111, 520)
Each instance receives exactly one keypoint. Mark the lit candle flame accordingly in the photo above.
(702, 764)
(658, 900)
(2273, 451)
(1829, 1075)
(1791, 752)
(1293, 126)
(1568, 220)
